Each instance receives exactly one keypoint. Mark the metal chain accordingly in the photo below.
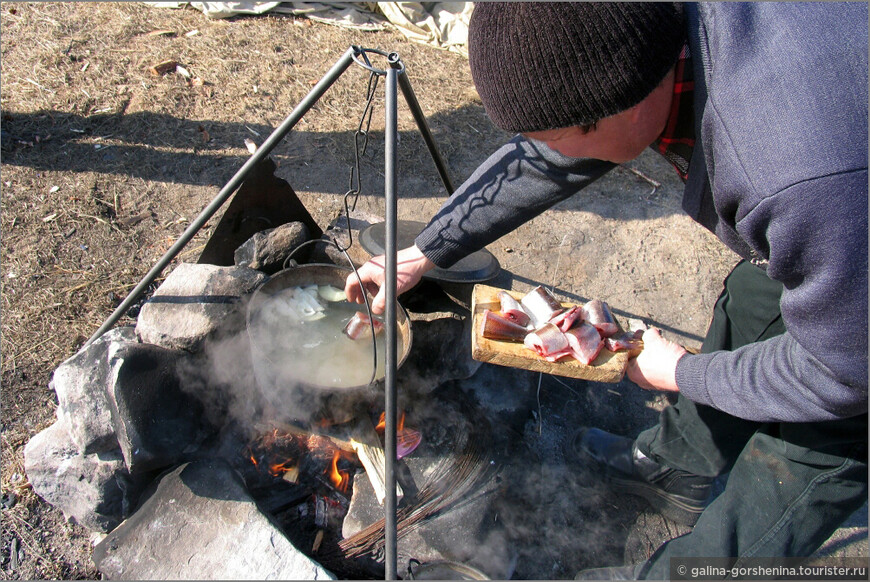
(360, 142)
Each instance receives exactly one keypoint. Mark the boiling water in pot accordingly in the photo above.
(302, 334)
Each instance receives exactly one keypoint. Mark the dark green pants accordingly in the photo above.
(790, 484)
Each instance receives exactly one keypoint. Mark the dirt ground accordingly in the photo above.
(104, 165)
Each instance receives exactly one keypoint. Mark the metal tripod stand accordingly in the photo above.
(395, 79)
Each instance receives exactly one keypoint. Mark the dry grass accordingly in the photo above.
(106, 164)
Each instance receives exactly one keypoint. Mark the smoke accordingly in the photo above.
(275, 370)
(559, 510)
(545, 520)
(220, 375)
(561, 520)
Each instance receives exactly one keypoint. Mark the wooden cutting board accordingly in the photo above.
(607, 367)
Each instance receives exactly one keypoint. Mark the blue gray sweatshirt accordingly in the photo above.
(778, 173)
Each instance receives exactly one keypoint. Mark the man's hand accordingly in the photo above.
(656, 366)
(410, 268)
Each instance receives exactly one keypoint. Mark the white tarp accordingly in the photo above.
(440, 24)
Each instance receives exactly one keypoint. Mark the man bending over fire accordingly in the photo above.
(762, 109)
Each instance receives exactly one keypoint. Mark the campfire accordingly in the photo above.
(196, 450)
(287, 455)
(316, 474)
(191, 432)
(303, 480)
(289, 462)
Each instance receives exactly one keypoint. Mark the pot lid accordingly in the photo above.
(475, 268)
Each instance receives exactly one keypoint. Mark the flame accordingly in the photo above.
(340, 479)
(406, 439)
(277, 469)
(382, 423)
(269, 439)
(282, 454)
(269, 453)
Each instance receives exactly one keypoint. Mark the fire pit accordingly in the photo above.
(322, 492)
(273, 476)
(486, 487)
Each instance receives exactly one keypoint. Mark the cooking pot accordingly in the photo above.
(286, 388)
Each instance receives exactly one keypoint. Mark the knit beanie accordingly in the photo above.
(548, 65)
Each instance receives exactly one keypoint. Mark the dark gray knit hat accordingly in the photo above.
(547, 65)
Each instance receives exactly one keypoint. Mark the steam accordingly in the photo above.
(281, 370)
(222, 377)
(533, 516)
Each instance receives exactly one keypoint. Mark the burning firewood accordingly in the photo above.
(291, 475)
(313, 440)
(374, 460)
(318, 539)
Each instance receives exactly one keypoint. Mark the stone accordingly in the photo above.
(80, 382)
(338, 232)
(194, 303)
(156, 422)
(267, 250)
(200, 523)
(77, 464)
(93, 490)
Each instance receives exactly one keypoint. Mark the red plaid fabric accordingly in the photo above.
(677, 141)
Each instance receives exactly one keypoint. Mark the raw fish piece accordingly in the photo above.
(360, 326)
(407, 440)
(501, 328)
(559, 355)
(511, 309)
(629, 341)
(555, 356)
(585, 342)
(541, 306)
(598, 313)
(548, 341)
(568, 318)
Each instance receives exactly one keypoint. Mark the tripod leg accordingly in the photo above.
(423, 126)
(390, 364)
